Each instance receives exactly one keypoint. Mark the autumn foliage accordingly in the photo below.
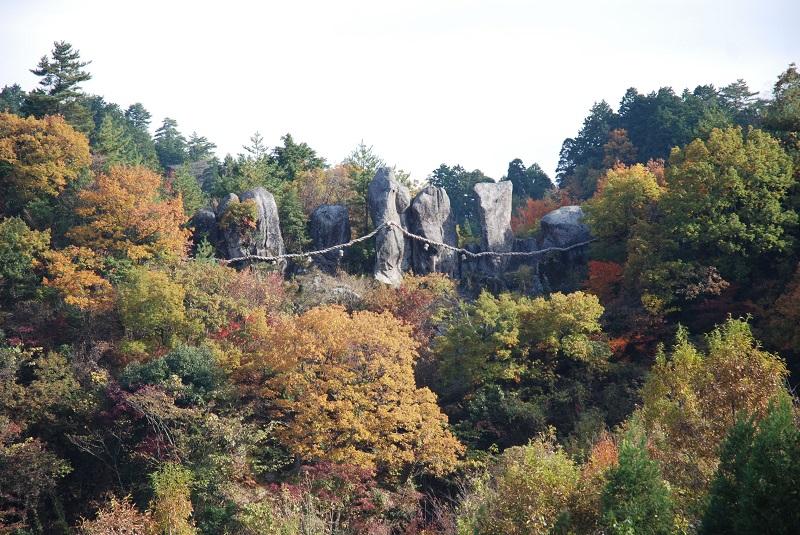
(39, 156)
(126, 215)
(344, 386)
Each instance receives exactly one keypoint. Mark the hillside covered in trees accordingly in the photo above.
(641, 384)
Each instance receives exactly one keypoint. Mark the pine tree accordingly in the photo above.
(755, 490)
(636, 499)
(59, 92)
(170, 144)
(199, 148)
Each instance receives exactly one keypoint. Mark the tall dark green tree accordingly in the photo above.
(581, 159)
(755, 490)
(12, 97)
(59, 91)
(138, 119)
(529, 182)
(170, 144)
(199, 148)
(636, 499)
(293, 158)
(364, 162)
(138, 116)
(459, 184)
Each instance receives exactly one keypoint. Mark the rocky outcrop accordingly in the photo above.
(388, 200)
(563, 271)
(563, 227)
(430, 217)
(249, 225)
(494, 207)
(204, 226)
(330, 225)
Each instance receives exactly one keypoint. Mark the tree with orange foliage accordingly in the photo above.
(126, 215)
(38, 157)
(604, 279)
(527, 218)
(618, 150)
(74, 273)
(344, 388)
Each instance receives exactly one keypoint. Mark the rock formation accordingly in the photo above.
(563, 227)
(249, 225)
(388, 201)
(430, 217)
(330, 225)
(204, 225)
(494, 206)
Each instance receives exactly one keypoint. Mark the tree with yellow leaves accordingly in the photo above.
(126, 215)
(38, 157)
(73, 271)
(344, 386)
(692, 399)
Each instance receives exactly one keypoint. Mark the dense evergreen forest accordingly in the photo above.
(149, 387)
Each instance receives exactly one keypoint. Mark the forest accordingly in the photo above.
(642, 385)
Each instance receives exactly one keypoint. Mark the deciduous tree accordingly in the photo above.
(124, 214)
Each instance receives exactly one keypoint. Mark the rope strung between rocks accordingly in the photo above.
(463, 252)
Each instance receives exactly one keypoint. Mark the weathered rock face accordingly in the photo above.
(388, 201)
(494, 206)
(231, 244)
(268, 239)
(430, 217)
(262, 237)
(204, 225)
(330, 225)
(563, 227)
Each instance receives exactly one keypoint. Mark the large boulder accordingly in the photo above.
(330, 225)
(430, 217)
(563, 271)
(204, 226)
(250, 225)
(388, 200)
(563, 227)
(494, 207)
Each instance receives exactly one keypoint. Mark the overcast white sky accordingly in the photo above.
(475, 82)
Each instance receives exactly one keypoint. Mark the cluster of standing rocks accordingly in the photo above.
(428, 215)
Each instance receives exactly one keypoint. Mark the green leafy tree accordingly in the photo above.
(625, 200)
(692, 399)
(527, 493)
(516, 364)
(170, 144)
(151, 307)
(725, 200)
(59, 92)
(635, 499)
(171, 505)
(21, 249)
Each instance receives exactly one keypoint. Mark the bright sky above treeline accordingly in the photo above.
(474, 82)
